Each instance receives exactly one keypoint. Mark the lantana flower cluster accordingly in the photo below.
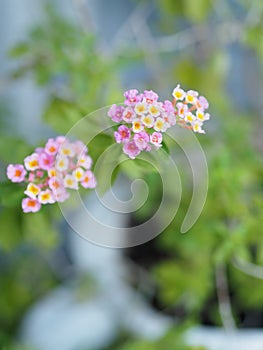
(51, 171)
(143, 118)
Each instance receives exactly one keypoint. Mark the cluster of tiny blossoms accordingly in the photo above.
(50, 171)
(143, 118)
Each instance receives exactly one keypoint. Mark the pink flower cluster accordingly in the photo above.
(50, 171)
(143, 119)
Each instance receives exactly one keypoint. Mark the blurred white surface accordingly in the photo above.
(218, 339)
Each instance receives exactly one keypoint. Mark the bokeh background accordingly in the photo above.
(61, 60)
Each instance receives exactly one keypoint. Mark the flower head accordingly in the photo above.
(145, 119)
(51, 170)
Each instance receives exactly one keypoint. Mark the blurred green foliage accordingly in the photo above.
(79, 79)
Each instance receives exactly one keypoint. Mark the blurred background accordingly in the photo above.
(61, 60)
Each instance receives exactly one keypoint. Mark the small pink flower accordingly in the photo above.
(182, 109)
(191, 96)
(80, 147)
(67, 150)
(46, 197)
(141, 108)
(32, 190)
(168, 106)
(62, 163)
(39, 150)
(132, 97)
(53, 172)
(137, 125)
(123, 134)
(16, 172)
(30, 205)
(148, 121)
(156, 139)
(141, 140)
(32, 162)
(31, 177)
(46, 161)
(131, 149)
(70, 181)
(89, 180)
(60, 196)
(128, 115)
(197, 127)
(39, 174)
(160, 125)
(178, 93)
(170, 119)
(202, 103)
(85, 161)
(56, 185)
(155, 109)
(60, 139)
(78, 173)
(115, 113)
(51, 147)
(150, 96)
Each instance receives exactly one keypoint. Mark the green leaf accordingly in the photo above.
(10, 220)
(165, 147)
(19, 50)
(61, 115)
(11, 194)
(13, 150)
(39, 229)
(197, 10)
(99, 144)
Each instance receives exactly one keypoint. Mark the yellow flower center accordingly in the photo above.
(153, 110)
(33, 163)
